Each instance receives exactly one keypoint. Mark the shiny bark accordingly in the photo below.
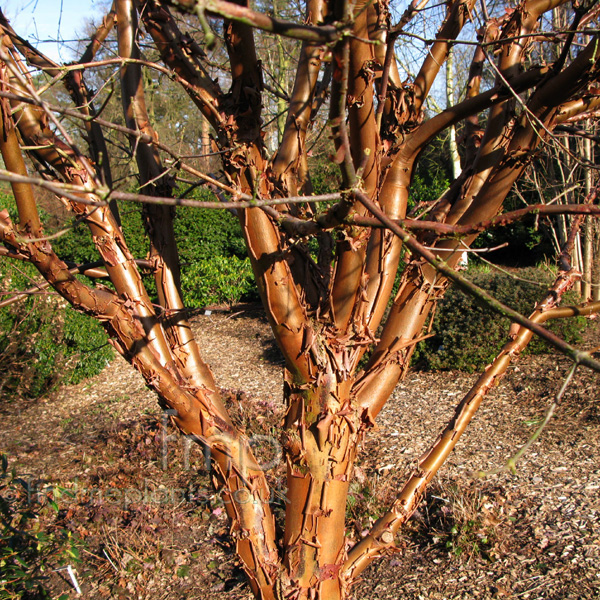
(328, 309)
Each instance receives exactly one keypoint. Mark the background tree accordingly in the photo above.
(326, 273)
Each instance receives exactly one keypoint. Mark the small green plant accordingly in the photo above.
(460, 523)
(217, 280)
(28, 553)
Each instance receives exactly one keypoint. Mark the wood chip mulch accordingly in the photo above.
(155, 533)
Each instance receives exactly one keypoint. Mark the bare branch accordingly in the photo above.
(481, 295)
(228, 10)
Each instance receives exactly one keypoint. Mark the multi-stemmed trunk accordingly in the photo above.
(326, 310)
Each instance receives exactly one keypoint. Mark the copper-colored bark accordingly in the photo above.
(328, 308)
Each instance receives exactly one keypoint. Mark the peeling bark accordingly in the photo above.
(328, 303)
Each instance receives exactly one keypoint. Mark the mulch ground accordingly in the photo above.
(151, 527)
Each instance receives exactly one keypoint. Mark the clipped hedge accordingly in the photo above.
(468, 336)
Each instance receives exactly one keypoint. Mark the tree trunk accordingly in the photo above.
(454, 156)
(320, 444)
(588, 245)
(205, 148)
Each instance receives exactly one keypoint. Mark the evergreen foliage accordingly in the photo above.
(468, 337)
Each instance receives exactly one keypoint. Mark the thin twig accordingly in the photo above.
(511, 463)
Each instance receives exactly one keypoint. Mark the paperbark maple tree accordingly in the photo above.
(329, 303)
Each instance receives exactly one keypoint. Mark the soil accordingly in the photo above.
(150, 527)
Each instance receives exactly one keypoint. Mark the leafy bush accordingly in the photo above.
(42, 341)
(324, 175)
(427, 189)
(215, 268)
(217, 280)
(521, 244)
(468, 336)
(202, 233)
(84, 345)
(28, 553)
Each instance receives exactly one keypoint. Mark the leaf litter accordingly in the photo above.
(152, 528)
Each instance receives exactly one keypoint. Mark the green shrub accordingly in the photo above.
(427, 190)
(202, 233)
(324, 175)
(76, 245)
(217, 280)
(84, 345)
(212, 250)
(42, 341)
(468, 336)
(29, 553)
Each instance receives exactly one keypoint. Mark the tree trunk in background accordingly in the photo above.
(205, 146)
(454, 155)
(588, 242)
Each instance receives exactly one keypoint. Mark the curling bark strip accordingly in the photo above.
(320, 444)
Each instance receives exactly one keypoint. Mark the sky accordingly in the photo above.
(43, 20)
